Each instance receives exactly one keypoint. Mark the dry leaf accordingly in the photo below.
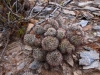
(33, 21)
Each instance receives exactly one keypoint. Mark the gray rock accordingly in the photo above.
(95, 64)
(98, 34)
(37, 9)
(97, 28)
(21, 66)
(85, 61)
(91, 54)
(35, 65)
(83, 23)
(88, 57)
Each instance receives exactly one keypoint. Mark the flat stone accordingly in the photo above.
(91, 8)
(37, 9)
(85, 61)
(69, 12)
(84, 3)
(98, 34)
(91, 54)
(83, 23)
(97, 28)
(88, 57)
(21, 66)
(95, 64)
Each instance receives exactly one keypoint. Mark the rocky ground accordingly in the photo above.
(75, 52)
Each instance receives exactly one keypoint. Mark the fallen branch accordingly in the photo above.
(4, 48)
(10, 9)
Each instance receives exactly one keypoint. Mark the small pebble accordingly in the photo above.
(98, 34)
(34, 65)
(21, 66)
(27, 47)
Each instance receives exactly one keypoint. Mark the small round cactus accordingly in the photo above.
(50, 43)
(66, 47)
(76, 40)
(54, 23)
(29, 39)
(37, 42)
(61, 33)
(54, 58)
(39, 54)
(47, 26)
(50, 32)
(38, 29)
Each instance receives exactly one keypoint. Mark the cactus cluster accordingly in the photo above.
(52, 42)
